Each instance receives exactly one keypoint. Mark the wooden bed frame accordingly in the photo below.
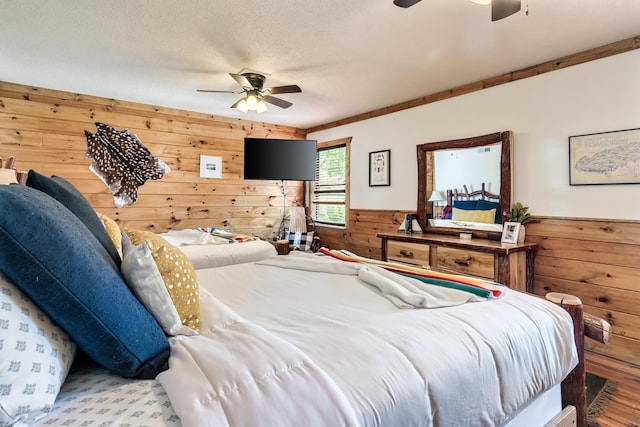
(454, 194)
(584, 325)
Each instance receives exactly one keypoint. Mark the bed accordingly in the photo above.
(465, 209)
(324, 340)
(208, 248)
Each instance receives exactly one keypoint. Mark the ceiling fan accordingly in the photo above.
(499, 8)
(255, 95)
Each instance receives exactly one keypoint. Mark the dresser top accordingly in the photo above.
(483, 245)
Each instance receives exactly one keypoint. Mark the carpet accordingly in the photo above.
(600, 391)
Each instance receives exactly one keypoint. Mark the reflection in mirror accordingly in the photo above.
(467, 167)
(473, 168)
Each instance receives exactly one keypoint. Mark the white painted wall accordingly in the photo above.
(542, 111)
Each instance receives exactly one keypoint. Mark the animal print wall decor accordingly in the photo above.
(122, 162)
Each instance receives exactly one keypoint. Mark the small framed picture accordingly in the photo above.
(380, 168)
(510, 232)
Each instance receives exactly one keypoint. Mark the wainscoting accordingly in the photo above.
(596, 260)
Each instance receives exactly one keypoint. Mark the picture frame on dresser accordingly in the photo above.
(510, 232)
(380, 168)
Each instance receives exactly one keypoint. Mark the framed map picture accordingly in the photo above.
(605, 158)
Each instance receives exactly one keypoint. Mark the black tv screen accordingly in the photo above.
(280, 159)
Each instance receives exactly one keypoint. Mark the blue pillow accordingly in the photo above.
(64, 192)
(53, 258)
(469, 205)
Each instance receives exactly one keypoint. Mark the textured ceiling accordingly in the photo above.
(349, 57)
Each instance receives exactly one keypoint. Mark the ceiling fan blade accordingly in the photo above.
(242, 80)
(235, 104)
(216, 91)
(405, 3)
(283, 89)
(502, 8)
(277, 101)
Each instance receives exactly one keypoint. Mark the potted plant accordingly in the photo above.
(520, 214)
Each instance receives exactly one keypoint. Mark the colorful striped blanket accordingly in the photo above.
(230, 237)
(482, 288)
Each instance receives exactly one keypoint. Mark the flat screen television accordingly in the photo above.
(280, 159)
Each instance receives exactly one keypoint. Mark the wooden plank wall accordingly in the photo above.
(43, 129)
(598, 261)
(595, 259)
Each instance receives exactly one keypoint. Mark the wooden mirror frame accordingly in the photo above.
(426, 177)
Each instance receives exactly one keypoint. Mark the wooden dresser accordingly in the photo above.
(509, 264)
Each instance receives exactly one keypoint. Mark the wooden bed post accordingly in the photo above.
(573, 386)
(584, 325)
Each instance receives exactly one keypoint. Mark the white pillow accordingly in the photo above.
(143, 277)
(35, 357)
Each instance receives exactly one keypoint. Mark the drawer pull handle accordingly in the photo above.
(406, 253)
(464, 262)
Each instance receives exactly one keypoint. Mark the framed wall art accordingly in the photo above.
(380, 168)
(210, 166)
(605, 158)
(510, 232)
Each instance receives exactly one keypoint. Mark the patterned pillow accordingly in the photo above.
(301, 240)
(143, 277)
(35, 356)
(177, 273)
(113, 231)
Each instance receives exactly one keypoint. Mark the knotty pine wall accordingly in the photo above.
(43, 129)
(597, 260)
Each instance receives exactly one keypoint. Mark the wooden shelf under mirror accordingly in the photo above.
(504, 263)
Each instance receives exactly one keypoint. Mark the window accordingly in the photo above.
(330, 193)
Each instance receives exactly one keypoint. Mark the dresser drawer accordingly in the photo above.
(464, 261)
(408, 253)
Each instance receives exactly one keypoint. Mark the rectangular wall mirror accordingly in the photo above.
(461, 172)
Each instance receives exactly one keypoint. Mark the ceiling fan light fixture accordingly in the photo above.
(483, 2)
(252, 101)
(262, 107)
(242, 105)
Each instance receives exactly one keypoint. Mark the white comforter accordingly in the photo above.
(286, 347)
(207, 251)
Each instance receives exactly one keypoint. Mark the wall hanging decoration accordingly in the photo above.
(122, 162)
(210, 166)
(380, 168)
(605, 158)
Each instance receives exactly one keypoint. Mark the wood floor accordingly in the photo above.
(624, 410)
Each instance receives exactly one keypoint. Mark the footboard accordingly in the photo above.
(584, 324)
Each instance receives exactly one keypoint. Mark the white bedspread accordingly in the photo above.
(207, 251)
(291, 347)
(238, 374)
(403, 292)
